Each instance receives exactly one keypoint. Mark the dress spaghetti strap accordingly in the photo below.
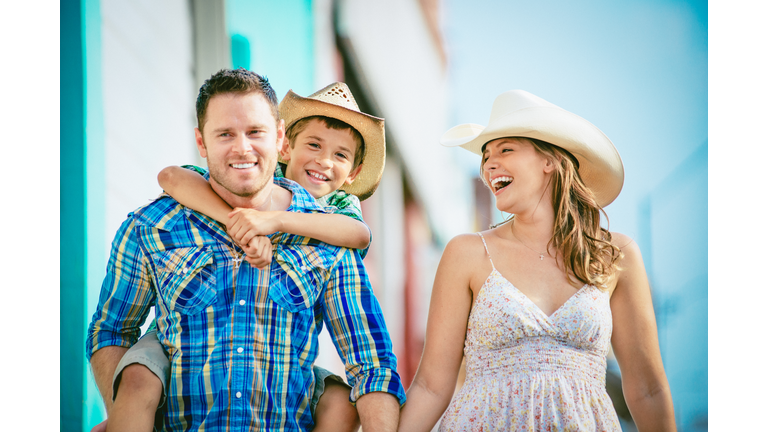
(486, 250)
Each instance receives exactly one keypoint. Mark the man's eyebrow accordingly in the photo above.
(229, 128)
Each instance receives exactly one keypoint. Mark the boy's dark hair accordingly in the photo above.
(331, 123)
(239, 81)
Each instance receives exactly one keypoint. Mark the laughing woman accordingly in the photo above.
(535, 304)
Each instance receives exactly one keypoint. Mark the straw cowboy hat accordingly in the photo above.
(517, 113)
(336, 101)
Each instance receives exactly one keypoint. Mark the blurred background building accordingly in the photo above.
(129, 78)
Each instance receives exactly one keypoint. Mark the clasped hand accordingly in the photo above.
(249, 228)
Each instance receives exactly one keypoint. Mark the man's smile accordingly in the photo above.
(243, 165)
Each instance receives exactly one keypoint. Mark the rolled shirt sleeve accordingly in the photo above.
(356, 323)
(126, 295)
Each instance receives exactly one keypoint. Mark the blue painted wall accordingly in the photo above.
(675, 223)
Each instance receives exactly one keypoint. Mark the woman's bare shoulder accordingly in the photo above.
(464, 246)
(631, 259)
(465, 260)
(627, 244)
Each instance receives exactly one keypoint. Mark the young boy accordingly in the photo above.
(337, 154)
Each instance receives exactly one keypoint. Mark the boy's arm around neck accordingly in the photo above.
(334, 229)
(190, 189)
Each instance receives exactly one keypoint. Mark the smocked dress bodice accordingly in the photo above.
(529, 371)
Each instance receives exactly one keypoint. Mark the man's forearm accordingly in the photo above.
(103, 363)
(379, 412)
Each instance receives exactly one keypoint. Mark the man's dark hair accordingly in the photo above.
(239, 81)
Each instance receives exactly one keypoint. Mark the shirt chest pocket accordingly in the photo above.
(186, 278)
(298, 275)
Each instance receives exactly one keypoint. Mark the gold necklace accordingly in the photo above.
(512, 230)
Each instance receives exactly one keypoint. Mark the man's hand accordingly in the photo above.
(258, 252)
(245, 224)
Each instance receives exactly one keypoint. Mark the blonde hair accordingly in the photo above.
(588, 254)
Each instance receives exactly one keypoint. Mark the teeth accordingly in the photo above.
(317, 176)
(244, 165)
(501, 179)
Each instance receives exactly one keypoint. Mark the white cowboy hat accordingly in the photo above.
(517, 113)
(336, 101)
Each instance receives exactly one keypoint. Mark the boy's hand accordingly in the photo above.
(258, 252)
(245, 224)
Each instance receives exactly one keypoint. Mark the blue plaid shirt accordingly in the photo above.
(241, 341)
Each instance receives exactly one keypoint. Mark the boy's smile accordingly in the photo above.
(321, 158)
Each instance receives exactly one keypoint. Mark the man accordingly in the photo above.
(242, 342)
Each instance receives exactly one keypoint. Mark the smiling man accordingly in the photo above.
(241, 341)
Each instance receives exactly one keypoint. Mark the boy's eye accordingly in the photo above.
(314, 145)
(342, 155)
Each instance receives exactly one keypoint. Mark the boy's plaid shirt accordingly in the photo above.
(241, 342)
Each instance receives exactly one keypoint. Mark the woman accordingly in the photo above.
(536, 302)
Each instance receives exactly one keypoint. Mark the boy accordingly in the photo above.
(337, 154)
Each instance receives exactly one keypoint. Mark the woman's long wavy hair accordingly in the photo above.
(588, 254)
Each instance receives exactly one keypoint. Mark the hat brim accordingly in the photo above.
(600, 165)
(294, 108)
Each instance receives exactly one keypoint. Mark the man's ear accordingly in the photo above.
(280, 134)
(353, 174)
(200, 145)
(285, 150)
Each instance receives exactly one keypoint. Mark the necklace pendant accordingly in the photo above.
(541, 257)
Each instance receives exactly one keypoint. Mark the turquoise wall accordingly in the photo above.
(82, 254)
(280, 38)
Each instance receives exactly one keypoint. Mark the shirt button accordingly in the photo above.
(240, 349)
(238, 394)
(186, 270)
(242, 302)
